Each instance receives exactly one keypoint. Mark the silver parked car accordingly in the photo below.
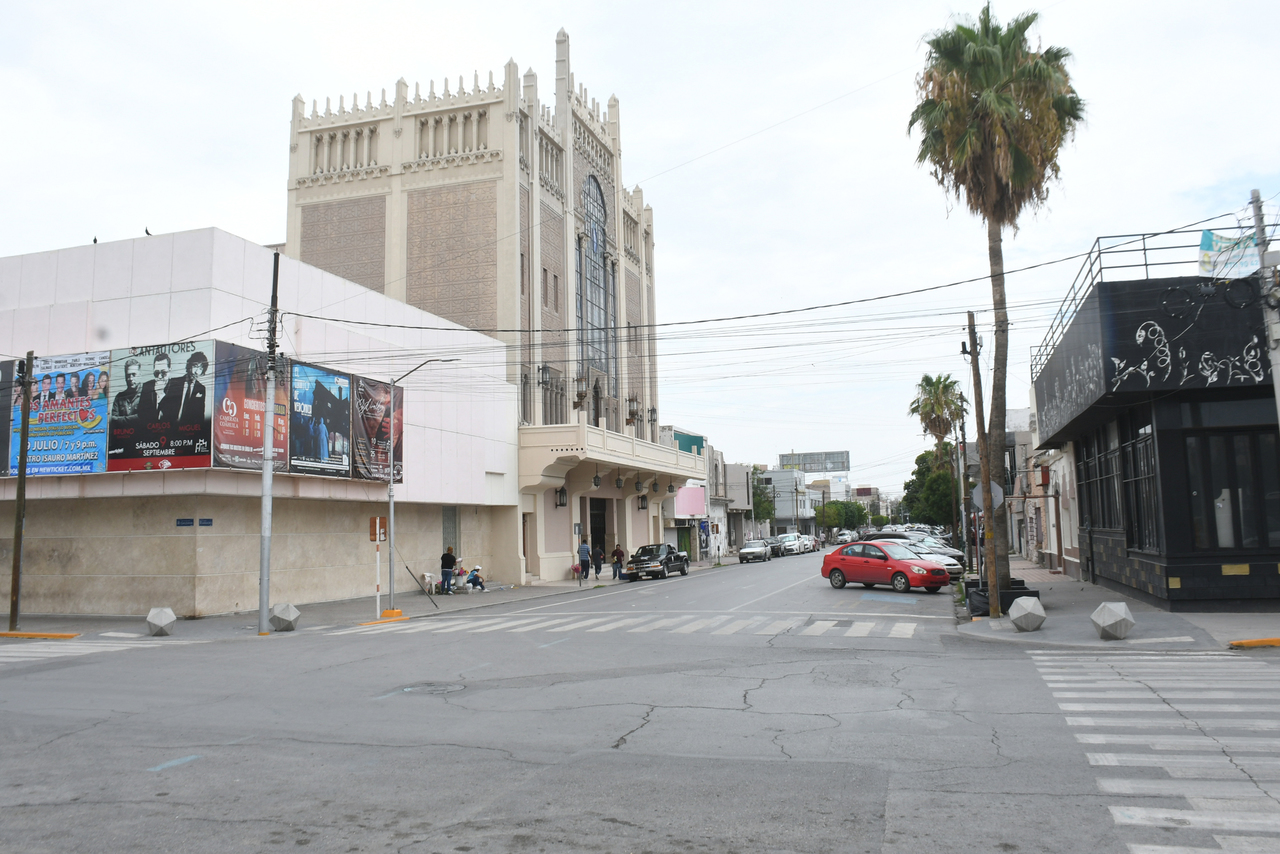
(754, 550)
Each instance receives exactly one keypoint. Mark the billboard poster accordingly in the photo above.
(319, 421)
(371, 435)
(9, 390)
(67, 427)
(239, 409)
(1228, 256)
(162, 412)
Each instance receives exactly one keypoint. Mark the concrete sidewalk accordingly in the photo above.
(413, 603)
(1068, 604)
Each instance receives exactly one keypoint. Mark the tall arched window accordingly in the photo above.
(594, 308)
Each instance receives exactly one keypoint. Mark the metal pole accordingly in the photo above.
(20, 508)
(984, 457)
(1266, 284)
(391, 505)
(268, 456)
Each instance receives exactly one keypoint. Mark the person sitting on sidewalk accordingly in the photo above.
(476, 580)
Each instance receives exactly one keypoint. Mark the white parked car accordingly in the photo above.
(791, 544)
(754, 550)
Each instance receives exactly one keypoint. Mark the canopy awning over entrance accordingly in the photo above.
(550, 452)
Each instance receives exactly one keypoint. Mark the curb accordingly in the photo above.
(1254, 644)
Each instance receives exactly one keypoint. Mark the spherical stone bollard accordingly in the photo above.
(160, 622)
(284, 617)
(1026, 613)
(1112, 620)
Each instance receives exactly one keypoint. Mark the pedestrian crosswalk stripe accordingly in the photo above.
(682, 624)
(1196, 819)
(541, 625)
(736, 626)
(660, 624)
(578, 625)
(617, 624)
(690, 628)
(1188, 728)
(21, 652)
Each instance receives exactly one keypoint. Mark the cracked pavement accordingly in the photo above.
(602, 741)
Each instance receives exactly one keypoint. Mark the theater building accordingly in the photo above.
(1158, 388)
(503, 210)
(117, 526)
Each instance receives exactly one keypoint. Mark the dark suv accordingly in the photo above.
(656, 561)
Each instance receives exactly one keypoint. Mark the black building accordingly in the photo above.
(1162, 389)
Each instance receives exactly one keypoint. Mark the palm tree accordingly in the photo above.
(993, 114)
(938, 404)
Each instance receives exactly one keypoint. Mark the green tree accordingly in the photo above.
(938, 404)
(930, 494)
(761, 496)
(879, 521)
(993, 115)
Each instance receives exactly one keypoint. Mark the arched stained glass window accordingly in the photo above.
(594, 305)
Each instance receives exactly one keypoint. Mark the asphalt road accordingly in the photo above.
(739, 709)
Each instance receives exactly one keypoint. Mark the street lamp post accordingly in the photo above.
(391, 489)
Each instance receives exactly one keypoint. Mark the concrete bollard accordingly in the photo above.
(1112, 620)
(160, 622)
(1026, 613)
(284, 617)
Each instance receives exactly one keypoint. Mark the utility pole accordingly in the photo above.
(268, 455)
(984, 457)
(25, 368)
(1267, 283)
(962, 464)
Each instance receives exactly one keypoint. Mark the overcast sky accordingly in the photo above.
(770, 140)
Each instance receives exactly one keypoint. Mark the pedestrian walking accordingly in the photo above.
(597, 560)
(584, 559)
(619, 558)
(447, 562)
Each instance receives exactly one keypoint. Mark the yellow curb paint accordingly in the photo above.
(390, 613)
(1248, 644)
(264, 634)
(391, 620)
(40, 635)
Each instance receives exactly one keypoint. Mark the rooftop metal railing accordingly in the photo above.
(1125, 257)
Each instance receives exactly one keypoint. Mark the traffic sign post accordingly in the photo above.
(377, 536)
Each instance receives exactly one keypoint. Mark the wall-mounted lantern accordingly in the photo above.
(562, 497)
(644, 502)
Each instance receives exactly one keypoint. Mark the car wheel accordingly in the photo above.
(684, 569)
(901, 583)
(663, 573)
(837, 579)
(868, 584)
(932, 589)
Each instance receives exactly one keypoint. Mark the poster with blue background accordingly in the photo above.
(319, 421)
(68, 420)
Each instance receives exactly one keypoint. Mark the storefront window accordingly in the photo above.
(1234, 485)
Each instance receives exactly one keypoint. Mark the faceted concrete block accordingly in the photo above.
(284, 617)
(1112, 620)
(1026, 613)
(160, 621)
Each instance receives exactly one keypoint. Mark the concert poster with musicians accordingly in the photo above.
(319, 421)
(67, 423)
(239, 409)
(161, 407)
(371, 430)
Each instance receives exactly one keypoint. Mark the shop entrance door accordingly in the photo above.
(683, 540)
(598, 507)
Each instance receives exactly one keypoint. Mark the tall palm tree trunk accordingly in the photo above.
(995, 433)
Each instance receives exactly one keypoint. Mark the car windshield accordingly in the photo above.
(755, 544)
(930, 541)
(649, 551)
(898, 552)
(786, 538)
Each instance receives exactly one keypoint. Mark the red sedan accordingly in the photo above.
(879, 562)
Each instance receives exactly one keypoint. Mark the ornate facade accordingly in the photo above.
(507, 215)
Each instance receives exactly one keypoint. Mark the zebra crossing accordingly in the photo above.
(23, 652)
(677, 624)
(1200, 726)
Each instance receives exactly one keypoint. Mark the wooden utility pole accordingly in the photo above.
(984, 458)
(25, 370)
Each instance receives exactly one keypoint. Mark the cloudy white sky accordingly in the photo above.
(770, 140)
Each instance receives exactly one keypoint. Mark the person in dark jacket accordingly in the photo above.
(597, 560)
(619, 558)
(448, 561)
